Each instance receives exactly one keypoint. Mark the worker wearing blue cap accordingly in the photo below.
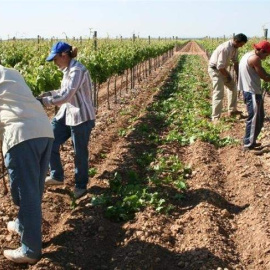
(75, 118)
(58, 48)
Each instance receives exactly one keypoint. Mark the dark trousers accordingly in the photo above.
(254, 123)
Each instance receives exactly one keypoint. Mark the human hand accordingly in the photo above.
(45, 94)
(40, 100)
(228, 79)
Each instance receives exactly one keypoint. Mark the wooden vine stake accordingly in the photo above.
(108, 93)
(95, 81)
(265, 33)
(3, 171)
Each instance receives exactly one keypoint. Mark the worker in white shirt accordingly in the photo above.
(220, 76)
(27, 138)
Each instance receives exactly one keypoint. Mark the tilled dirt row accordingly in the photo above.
(248, 183)
(250, 187)
(67, 233)
(198, 234)
(222, 223)
(244, 181)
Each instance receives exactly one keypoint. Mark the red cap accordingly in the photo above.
(263, 45)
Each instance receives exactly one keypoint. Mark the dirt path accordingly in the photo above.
(247, 183)
(223, 222)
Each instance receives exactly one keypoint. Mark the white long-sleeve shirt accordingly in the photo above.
(75, 95)
(21, 115)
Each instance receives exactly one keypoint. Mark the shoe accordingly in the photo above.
(256, 144)
(17, 256)
(215, 121)
(252, 147)
(233, 113)
(249, 148)
(11, 226)
(52, 182)
(79, 192)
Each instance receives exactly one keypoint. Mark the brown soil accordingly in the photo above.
(223, 222)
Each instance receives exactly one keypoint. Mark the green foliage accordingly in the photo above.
(182, 109)
(186, 105)
(169, 170)
(122, 132)
(128, 196)
(92, 172)
(145, 159)
(73, 203)
(111, 58)
(103, 155)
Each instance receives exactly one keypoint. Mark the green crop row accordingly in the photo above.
(153, 174)
(109, 58)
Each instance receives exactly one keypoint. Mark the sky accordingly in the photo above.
(114, 18)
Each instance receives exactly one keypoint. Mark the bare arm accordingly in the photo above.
(256, 63)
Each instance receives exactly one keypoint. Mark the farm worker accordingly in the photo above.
(75, 118)
(27, 138)
(250, 74)
(220, 76)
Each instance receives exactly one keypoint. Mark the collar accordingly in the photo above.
(72, 63)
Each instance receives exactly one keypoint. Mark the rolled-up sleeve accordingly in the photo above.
(222, 59)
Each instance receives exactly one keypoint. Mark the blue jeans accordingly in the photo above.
(27, 164)
(80, 137)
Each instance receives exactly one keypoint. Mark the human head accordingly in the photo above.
(59, 48)
(262, 48)
(240, 40)
(262, 45)
(61, 54)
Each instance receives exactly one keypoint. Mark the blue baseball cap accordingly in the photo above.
(58, 47)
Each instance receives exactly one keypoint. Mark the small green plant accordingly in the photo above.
(122, 132)
(103, 155)
(92, 172)
(143, 128)
(73, 203)
(145, 159)
(125, 111)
